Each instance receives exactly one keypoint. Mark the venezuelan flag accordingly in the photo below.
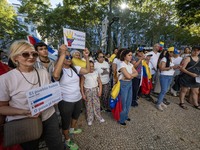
(146, 79)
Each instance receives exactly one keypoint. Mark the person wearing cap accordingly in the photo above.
(177, 61)
(190, 68)
(167, 69)
(137, 63)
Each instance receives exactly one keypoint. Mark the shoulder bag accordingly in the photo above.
(22, 130)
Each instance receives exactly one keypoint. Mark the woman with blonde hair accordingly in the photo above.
(13, 101)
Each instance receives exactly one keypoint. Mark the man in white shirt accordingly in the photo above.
(154, 58)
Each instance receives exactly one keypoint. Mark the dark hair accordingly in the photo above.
(195, 47)
(40, 44)
(162, 54)
(167, 56)
(119, 52)
(124, 53)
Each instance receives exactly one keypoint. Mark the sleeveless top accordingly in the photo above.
(187, 80)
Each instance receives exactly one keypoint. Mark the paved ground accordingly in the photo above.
(172, 129)
(149, 129)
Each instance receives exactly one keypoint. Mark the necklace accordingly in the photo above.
(68, 74)
(27, 79)
(45, 61)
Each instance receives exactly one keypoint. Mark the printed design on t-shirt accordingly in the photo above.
(105, 71)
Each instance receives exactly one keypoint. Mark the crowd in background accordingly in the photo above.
(145, 73)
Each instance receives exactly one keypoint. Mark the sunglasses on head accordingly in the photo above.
(68, 57)
(28, 54)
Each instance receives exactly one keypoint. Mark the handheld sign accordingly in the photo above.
(74, 39)
(41, 98)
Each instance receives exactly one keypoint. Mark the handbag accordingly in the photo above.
(22, 130)
(115, 90)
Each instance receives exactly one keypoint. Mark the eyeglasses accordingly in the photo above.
(68, 57)
(28, 54)
(101, 56)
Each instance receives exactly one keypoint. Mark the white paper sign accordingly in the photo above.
(74, 39)
(41, 98)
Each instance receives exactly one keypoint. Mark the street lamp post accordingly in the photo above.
(111, 20)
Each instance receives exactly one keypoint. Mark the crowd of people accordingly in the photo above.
(141, 74)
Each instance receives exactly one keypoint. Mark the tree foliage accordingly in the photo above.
(188, 12)
(10, 29)
(145, 22)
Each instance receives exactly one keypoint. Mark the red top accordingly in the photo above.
(3, 68)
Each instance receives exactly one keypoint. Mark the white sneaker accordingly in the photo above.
(89, 123)
(173, 92)
(159, 107)
(102, 120)
(163, 105)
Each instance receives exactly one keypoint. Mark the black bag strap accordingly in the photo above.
(194, 64)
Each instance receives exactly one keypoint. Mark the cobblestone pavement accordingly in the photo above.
(149, 129)
(172, 129)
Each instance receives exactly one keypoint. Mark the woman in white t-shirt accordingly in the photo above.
(167, 69)
(103, 69)
(115, 65)
(127, 73)
(91, 89)
(70, 106)
(13, 100)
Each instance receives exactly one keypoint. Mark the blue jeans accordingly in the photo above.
(165, 82)
(126, 98)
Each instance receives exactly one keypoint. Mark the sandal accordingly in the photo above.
(197, 107)
(183, 106)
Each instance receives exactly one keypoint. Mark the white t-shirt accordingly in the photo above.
(128, 67)
(91, 80)
(13, 88)
(70, 85)
(168, 72)
(177, 61)
(103, 70)
(154, 61)
(117, 62)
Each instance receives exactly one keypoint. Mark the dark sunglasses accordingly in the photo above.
(28, 54)
(68, 57)
(101, 56)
